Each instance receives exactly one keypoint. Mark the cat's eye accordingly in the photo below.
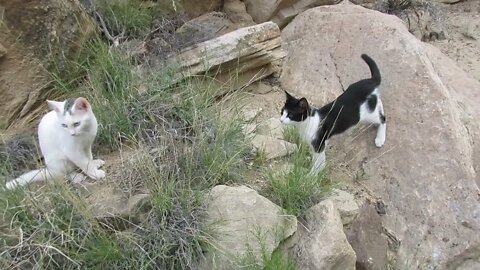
(76, 124)
(64, 125)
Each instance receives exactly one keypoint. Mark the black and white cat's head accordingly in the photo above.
(295, 110)
(73, 114)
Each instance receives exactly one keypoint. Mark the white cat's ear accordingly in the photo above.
(81, 104)
(303, 103)
(55, 105)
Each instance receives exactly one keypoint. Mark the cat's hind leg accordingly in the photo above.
(34, 176)
(381, 125)
(318, 163)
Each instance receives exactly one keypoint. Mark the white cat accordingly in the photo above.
(66, 134)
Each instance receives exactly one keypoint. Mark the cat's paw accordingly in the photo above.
(98, 174)
(98, 163)
(11, 184)
(379, 141)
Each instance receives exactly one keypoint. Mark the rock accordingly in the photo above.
(261, 10)
(271, 147)
(417, 178)
(133, 49)
(237, 13)
(34, 32)
(3, 51)
(249, 114)
(286, 14)
(137, 203)
(205, 27)
(366, 238)
(322, 244)
(425, 21)
(271, 127)
(259, 88)
(195, 8)
(240, 57)
(467, 260)
(249, 129)
(345, 204)
(245, 223)
(106, 200)
(281, 11)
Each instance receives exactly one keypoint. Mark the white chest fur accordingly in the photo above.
(308, 128)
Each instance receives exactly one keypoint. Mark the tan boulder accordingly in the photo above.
(245, 224)
(320, 243)
(427, 172)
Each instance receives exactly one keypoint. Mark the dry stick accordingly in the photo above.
(114, 40)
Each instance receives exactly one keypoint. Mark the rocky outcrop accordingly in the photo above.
(320, 243)
(246, 55)
(245, 224)
(428, 169)
(35, 31)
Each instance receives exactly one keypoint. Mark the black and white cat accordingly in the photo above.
(359, 103)
(66, 135)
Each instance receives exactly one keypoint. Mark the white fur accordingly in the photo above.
(318, 162)
(65, 148)
(374, 118)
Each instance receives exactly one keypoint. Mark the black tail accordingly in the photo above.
(373, 68)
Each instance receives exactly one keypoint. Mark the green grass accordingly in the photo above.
(130, 17)
(296, 190)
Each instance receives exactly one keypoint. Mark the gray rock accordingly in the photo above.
(321, 242)
(366, 238)
(245, 224)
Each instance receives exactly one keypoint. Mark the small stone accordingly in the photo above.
(272, 147)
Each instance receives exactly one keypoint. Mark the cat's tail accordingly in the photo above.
(373, 69)
(31, 176)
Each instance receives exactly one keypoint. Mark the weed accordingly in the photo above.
(296, 190)
(128, 17)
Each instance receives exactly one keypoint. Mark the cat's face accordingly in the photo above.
(73, 115)
(294, 111)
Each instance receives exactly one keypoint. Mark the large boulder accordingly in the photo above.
(32, 32)
(246, 224)
(427, 172)
(320, 243)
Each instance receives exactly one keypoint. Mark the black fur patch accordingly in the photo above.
(372, 102)
(69, 105)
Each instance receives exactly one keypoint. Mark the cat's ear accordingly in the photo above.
(81, 104)
(55, 105)
(303, 103)
(288, 95)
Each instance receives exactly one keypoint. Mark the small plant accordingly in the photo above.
(129, 17)
(296, 190)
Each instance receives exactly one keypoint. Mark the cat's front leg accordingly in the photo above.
(98, 163)
(318, 163)
(87, 165)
